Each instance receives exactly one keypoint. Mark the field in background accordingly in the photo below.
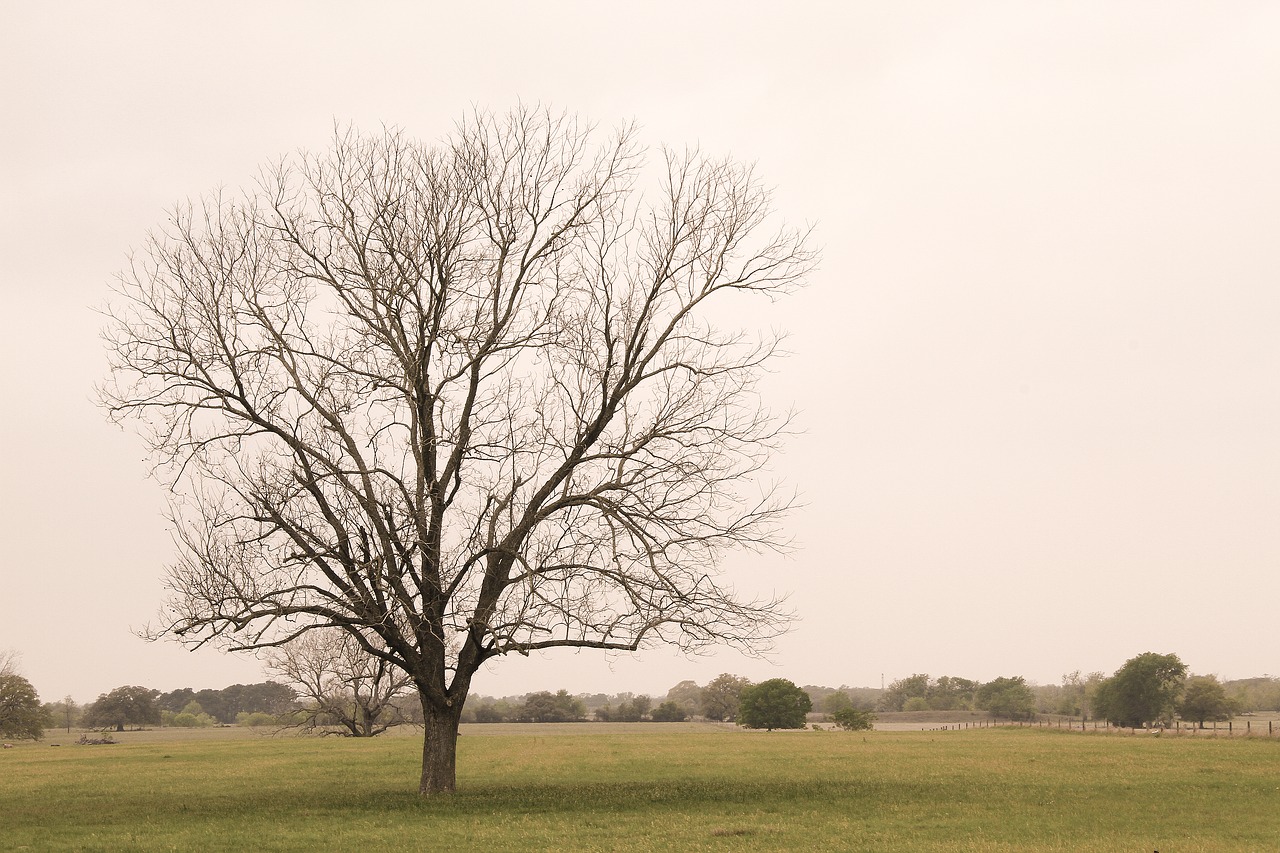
(660, 788)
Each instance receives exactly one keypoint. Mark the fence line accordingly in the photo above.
(1104, 726)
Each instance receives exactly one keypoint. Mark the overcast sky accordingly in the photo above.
(1038, 370)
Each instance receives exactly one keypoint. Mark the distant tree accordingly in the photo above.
(688, 695)
(343, 684)
(774, 704)
(951, 693)
(851, 719)
(218, 703)
(834, 702)
(1255, 694)
(631, 709)
(863, 698)
(175, 700)
(65, 712)
(721, 698)
(226, 705)
(192, 716)
(265, 697)
(669, 712)
(916, 703)
(1073, 697)
(1205, 699)
(546, 707)
(898, 692)
(489, 712)
(124, 706)
(21, 715)
(1145, 690)
(1010, 698)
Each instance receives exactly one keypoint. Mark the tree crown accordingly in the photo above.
(461, 400)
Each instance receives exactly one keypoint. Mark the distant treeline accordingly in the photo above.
(271, 703)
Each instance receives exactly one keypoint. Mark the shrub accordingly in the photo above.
(669, 712)
(852, 720)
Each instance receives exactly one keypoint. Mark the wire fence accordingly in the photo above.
(1229, 728)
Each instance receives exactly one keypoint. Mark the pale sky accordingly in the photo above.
(1038, 370)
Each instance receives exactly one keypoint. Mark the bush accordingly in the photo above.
(669, 712)
(916, 703)
(852, 720)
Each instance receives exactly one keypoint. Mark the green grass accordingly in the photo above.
(980, 790)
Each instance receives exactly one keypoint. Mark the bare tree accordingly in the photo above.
(464, 396)
(9, 662)
(344, 685)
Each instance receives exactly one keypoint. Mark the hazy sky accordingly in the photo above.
(1038, 371)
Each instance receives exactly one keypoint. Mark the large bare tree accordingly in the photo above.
(466, 399)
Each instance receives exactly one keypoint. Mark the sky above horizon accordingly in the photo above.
(1037, 372)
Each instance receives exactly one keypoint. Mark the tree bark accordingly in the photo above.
(439, 748)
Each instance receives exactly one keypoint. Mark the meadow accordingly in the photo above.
(651, 787)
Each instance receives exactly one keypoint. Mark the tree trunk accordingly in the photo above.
(439, 748)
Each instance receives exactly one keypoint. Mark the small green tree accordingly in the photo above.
(774, 704)
(1205, 699)
(1145, 690)
(1010, 698)
(851, 719)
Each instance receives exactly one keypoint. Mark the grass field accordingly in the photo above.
(655, 789)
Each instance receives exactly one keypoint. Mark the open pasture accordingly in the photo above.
(980, 790)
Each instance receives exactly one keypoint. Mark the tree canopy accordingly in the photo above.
(722, 696)
(547, 707)
(774, 704)
(125, 706)
(21, 714)
(462, 400)
(1204, 699)
(1007, 697)
(1143, 691)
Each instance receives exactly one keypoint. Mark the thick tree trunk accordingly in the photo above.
(439, 748)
